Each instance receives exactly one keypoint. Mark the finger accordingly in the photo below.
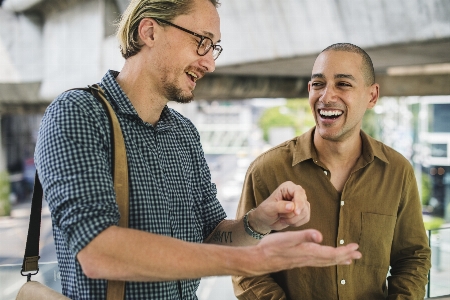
(285, 209)
(294, 219)
(289, 239)
(295, 194)
(274, 210)
(307, 235)
(296, 208)
(286, 191)
(303, 212)
(323, 256)
(348, 254)
(300, 200)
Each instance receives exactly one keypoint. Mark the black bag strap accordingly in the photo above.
(30, 260)
(116, 289)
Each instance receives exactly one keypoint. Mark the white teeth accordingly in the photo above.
(330, 113)
(194, 76)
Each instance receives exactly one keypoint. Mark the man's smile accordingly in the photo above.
(330, 113)
(194, 77)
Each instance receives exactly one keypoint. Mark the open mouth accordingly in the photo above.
(330, 113)
(192, 75)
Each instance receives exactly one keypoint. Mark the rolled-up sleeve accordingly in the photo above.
(75, 169)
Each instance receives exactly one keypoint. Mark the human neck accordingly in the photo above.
(338, 154)
(139, 87)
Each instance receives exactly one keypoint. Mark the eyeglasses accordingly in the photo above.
(204, 45)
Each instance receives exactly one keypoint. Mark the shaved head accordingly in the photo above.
(367, 65)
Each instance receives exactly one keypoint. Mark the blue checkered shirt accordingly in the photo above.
(170, 184)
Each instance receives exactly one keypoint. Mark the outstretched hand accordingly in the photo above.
(287, 250)
(286, 206)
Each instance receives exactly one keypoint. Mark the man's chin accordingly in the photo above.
(184, 99)
(329, 135)
(177, 95)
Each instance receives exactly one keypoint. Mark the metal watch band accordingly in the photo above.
(254, 234)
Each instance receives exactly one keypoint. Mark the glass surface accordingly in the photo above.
(440, 262)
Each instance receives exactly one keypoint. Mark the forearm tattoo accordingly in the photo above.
(222, 237)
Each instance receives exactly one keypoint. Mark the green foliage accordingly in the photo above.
(370, 124)
(272, 117)
(5, 205)
(426, 189)
(296, 114)
(433, 223)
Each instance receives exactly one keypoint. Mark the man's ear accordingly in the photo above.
(374, 94)
(146, 31)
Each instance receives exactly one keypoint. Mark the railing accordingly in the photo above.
(439, 275)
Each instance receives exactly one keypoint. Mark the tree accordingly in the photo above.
(296, 114)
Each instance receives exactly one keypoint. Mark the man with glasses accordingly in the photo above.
(177, 228)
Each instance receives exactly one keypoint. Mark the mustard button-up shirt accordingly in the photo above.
(379, 209)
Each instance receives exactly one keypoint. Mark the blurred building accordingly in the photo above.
(432, 152)
(48, 46)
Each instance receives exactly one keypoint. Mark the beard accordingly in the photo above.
(176, 94)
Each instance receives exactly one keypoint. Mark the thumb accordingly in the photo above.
(310, 235)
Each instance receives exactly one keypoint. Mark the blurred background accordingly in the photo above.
(256, 98)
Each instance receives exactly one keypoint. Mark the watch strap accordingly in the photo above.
(249, 230)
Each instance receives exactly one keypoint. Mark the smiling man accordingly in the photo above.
(360, 191)
(177, 229)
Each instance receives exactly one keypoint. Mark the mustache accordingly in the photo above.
(197, 71)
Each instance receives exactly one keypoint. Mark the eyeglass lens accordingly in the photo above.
(205, 45)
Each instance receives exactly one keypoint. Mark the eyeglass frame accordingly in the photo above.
(202, 38)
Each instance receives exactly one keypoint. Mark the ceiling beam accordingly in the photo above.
(234, 87)
(229, 87)
(15, 96)
(414, 85)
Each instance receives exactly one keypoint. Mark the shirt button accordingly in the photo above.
(342, 281)
(341, 242)
(342, 203)
(325, 172)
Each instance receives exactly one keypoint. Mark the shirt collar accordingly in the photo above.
(371, 148)
(302, 153)
(124, 106)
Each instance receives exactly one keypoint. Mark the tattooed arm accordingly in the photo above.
(286, 206)
(228, 232)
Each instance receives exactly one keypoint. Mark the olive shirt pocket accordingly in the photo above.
(375, 242)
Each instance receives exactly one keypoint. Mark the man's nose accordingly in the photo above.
(328, 95)
(207, 62)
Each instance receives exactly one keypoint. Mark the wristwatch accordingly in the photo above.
(254, 234)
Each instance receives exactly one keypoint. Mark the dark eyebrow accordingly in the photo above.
(210, 35)
(345, 76)
(317, 75)
(320, 75)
